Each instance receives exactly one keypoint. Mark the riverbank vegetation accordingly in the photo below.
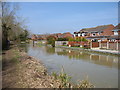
(65, 81)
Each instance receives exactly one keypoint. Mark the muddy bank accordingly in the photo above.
(22, 71)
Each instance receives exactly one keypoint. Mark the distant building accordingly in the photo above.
(34, 37)
(56, 35)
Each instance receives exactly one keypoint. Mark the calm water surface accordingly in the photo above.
(102, 70)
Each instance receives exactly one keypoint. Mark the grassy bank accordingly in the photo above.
(22, 71)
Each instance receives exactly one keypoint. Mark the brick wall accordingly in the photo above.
(95, 44)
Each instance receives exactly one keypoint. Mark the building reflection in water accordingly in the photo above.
(100, 59)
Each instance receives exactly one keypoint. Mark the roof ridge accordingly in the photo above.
(96, 27)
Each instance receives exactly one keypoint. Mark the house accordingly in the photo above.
(34, 37)
(67, 35)
(96, 33)
(56, 35)
(63, 35)
(116, 34)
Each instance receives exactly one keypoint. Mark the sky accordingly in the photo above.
(60, 17)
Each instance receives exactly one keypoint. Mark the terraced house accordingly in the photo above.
(99, 33)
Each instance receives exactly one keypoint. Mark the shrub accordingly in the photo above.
(62, 39)
(51, 40)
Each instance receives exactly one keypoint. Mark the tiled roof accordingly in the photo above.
(96, 29)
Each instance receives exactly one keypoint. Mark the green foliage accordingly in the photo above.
(63, 77)
(62, 39)
(12, 27)
(83, 39)
(51, 40)
(71, 39)
(64, 43)
(85, 84)
(23, 36)
(65, 81)
(78, 39)
(54, 75)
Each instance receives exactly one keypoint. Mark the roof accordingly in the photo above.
(96, 29)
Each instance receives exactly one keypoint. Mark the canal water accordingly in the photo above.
(101, 69)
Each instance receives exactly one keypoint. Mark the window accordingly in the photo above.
(115, 33)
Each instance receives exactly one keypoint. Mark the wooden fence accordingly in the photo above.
(95, 44)
(110, 45)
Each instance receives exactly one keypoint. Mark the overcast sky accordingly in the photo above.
(59, 17)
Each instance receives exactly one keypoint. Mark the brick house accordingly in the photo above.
(34, 37)
(56, 35)
(96, 33)
(67, 35)
(116, 32)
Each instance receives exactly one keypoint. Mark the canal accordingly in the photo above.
(101, 69)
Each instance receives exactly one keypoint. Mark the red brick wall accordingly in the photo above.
(75, 43)
(95, 44)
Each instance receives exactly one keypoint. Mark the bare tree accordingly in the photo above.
(13, 27)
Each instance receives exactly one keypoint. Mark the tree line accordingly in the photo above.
(13, 27)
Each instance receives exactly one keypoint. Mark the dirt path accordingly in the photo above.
(22, 71)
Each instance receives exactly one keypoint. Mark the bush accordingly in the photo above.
(51, 40)
(62, 39)
(78, 39)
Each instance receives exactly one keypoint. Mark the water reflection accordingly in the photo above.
(100, 59)
(50, 50)
(101, 69)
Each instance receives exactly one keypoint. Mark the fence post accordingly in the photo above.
(100, 44)
(107, 45)
(90, 44)
(117, 46)
(33, 42)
